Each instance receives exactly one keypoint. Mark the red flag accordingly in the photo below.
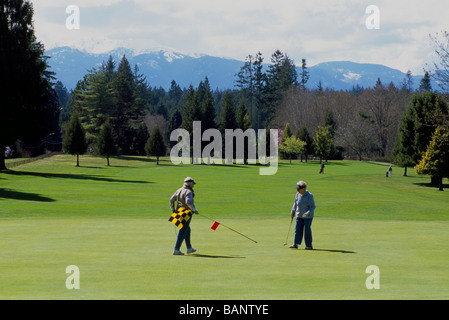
(215, 225)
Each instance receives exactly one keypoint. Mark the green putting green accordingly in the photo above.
(112, 223)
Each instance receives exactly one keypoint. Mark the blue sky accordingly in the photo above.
(319, 30)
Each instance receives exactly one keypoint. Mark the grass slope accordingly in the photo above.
(111, 222)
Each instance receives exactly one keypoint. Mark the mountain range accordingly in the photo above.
(162, 66)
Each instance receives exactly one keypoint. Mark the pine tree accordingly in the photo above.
(156, 145)
(435, 160)
(303, 135)
(329, 121)
(25, 111)
(403, 153)
(106, 146)
(281, 75)
(324, 145)
(192, 110)
(305, 75)
(242, 111)
(227, 116)
(425, 84)
(259, 82)
(74, 141)
(426, 111)
(98, 103)
(127, 112)
(207, 105)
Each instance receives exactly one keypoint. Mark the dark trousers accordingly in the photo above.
(303, 227)
(184, 234)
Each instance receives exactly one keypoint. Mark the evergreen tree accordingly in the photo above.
(304, 75)
(324, 145)
(74, 141)
(259, 82)
(175, 92)
(192, 111)
(175, 121)
(139, 139)
(156, 145)
(425, 84)
(127, 111)
(303, 135)
(330, 122)
(25, 90)
(426, 111)
(243, 122)
(407, 82)
(435, 160)
(64, 99)
(106, 146)
(97, 104)
(287, 131)
(207, 105)
(227, 116)
(403, 153)
(281, 75)
(242, 111)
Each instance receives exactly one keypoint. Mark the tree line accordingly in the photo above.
(113, 110)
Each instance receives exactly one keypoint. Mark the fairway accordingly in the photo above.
(112, 223)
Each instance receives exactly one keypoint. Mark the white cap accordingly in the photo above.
(189, 179)
(301, 185)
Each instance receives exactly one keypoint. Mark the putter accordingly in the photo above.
(286, 239)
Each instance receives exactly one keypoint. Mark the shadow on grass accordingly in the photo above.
(70, 176)
(334, 250)
(215, 257)
(431, 185)
(134, 158)
(17, 195)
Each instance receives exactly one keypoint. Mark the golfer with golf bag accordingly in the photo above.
(303, 208)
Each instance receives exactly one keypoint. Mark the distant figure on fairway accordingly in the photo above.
(304, 209)
(390, 171)
(322, 167)
(183, 197)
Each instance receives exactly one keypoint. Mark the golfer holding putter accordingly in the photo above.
(303, 208)
(183, 197)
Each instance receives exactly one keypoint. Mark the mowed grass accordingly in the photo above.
(112, 222)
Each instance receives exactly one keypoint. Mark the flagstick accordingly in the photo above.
(228, 228)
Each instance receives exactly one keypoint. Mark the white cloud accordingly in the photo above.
(320, 30)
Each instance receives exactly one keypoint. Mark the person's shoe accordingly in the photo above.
(191, 250)
(294, 246)
(177, 253)
(309, 248)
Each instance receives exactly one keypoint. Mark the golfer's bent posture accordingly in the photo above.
(304, 209)
(183, 197)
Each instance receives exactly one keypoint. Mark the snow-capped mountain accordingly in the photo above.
(343, 75)
(162, 66)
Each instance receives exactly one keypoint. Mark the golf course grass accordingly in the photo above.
(112, 223)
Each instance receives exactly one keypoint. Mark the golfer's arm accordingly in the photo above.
(312, 207)
(189, 202)
(294, 206)
(172, 203)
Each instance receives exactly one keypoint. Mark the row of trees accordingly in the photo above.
(133, 108)
(114, 109)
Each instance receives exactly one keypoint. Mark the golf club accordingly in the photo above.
(286, 239)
